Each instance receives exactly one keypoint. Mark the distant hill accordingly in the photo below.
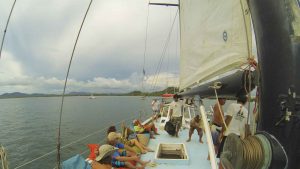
(79, 93)
(133, 93)
(19, 94)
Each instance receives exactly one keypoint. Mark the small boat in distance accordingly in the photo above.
(92, 96)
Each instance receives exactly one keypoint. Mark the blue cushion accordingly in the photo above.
(76, 162)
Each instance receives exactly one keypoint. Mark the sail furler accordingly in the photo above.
(215, 39)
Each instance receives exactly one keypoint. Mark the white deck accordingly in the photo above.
(197, 152)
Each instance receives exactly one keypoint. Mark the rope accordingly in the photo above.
(249, 97)
(65, 85)
(163, 54)
(3, 158)
(251, 64)
(218, 85)
(252, 153)
(146, 38)
(3, 38)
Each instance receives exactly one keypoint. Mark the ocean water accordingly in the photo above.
(28, 126)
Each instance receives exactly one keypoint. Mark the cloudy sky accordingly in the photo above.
(109, 55)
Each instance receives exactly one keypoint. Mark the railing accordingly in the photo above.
(79, 146)
(3, 158)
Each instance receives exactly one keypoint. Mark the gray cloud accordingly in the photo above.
(110, 50)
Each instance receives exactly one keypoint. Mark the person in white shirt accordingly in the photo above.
(155, 108)
(236, 120)
(176, 113)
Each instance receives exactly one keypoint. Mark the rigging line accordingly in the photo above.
(3, 38)
(249, 94)
(161, 61)
(145, 49)
(176, 49)
(159, 67)
(53, 151)
(65, 85)
(163, 53)
(168, 54)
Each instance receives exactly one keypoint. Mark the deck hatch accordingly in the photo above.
(171, 153)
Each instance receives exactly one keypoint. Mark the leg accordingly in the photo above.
(129, 165)
(139, 145)
(178, 124)
(129, 150)
(138, 160)
(199, 130)
(176, 129)
(151, 127)
(190, 133)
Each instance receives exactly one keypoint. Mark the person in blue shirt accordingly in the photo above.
(122, 160)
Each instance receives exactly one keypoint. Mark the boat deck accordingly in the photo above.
(196, 151)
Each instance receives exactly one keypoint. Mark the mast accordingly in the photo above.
(276, 25)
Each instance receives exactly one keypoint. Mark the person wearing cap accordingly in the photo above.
(103, 159)
(176, 113)
(109, 154)
(155, 108)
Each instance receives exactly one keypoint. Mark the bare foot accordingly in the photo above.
(144, 163)
(143, 151)
(188, 140)
(150, 150)
(201, 141)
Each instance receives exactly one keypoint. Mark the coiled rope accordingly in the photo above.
(252, 153)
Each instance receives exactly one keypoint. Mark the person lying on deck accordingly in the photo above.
(128, 144)
(108, 153)
(148, 128)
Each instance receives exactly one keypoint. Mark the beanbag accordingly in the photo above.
(143, 138)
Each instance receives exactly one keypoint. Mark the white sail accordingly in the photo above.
(215, 39)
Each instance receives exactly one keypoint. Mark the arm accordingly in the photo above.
(247, 130)
(120, 158)
(227, 121)
(171, 113)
